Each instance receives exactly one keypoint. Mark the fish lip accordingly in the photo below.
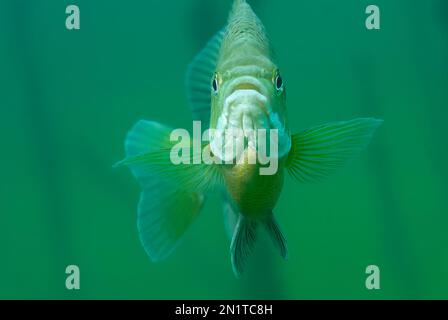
(248, 82)
(246, 86)
(246, 99)
(243, 112)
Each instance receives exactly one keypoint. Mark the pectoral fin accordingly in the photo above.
(149, 150)
(318, 152)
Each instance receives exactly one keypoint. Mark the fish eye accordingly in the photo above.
(215, 85)
(278, 82)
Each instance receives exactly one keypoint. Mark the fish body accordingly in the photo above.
(247, 98)
(235, 90)
(255, 195)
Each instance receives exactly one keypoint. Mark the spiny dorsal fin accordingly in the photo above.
(199, 77)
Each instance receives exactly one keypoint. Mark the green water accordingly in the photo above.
(69, 97)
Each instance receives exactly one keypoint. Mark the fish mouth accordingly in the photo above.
(245, 109)
(246, 86)
(245, 113)
(248, 82)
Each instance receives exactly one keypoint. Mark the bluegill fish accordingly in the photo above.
(233, 83)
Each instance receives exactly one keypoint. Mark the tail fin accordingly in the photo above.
(244, 238)
(172, 195)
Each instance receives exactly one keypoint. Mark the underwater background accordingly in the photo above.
(68, 99)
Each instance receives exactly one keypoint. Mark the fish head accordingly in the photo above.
(248, 93)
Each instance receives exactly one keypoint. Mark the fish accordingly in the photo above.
(233, 85)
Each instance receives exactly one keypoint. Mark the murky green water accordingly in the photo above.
(69, 97)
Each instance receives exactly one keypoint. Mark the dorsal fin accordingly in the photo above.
(198, 80)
